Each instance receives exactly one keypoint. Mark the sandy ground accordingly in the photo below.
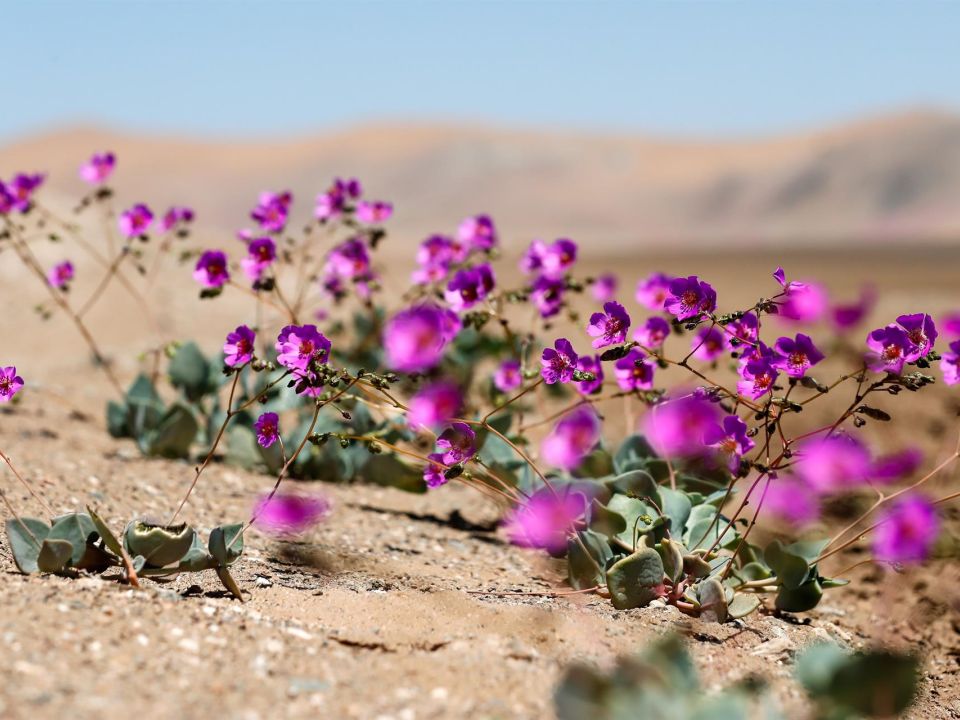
(372, 616)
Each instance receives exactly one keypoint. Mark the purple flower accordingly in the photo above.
(286, 515)
(60, 275)
(689, 298)
(889, 348)
(604, 288)
(211, 270)
(558, 257)
(469, 287)
(547, 295)
(261, 252)
(709, 343)
(849, 316)
(833, 464)
(478, 233)
(434, 472)
(333, 203)
(135, 221)
(507, 376)
(609, 327)
(759, 376)
(653, 333)
(634, 372)
(590, 364)
(907, 531)
(435, 256)
(10, 383)
(677, 427)
(790, 500)
(558, 363)
(177, 215)
(349, 259)
(6, 199)
(239, 347)
(532, 259)
(780, 276)
(98, 168)
(795, 356)
(20, 190)
(376, 212)
(272, 211)
(950, 323)
(458, 443)
(892, 467)
(572, 439)
(922, 333)
(415, 339)
(546, 519)
(743, 333)
(434, 405)
(653, 292)
(730, 440)
(268, 429)
(950, 364)
(803, 302)
(299, 346)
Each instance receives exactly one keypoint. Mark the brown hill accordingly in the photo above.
(891, 179)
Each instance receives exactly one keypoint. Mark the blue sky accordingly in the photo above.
(271, 68)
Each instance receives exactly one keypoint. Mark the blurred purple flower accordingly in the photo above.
(609, 327)
(708, 344)
(689, 298)
(652, 333)
(267, 427)
(60, 275)
(572, 439)
(211, 269)
(558, 257)
(803, 302)
(176, 216)
(532, 259)
(792, 501)
(415, 339)
(950, 364)
(653, 292)
(374, 212)
(892, 467)
(547, 295)
(469, 287)
(950, 324)
(135, 221)
(604, 288)
(433, 405)
(98, 168)
(634, 371)
(678, 426)
(239, 347)
(272, 210)
(907, 531)
(434, 472)
(261, 252)
(590, 364)
(20, 190)
(832, 464)
(478, 233)
(546, 519)
(507, 376)
(846, 317)
(286, 515)
(558, 363)
(10, 383)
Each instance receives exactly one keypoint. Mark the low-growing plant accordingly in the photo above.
(468, 381)
(662, 682)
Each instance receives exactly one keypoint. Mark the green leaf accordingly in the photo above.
(606, 521)
(224, 544)
(54, 555)
(799, 599)
(106, 534)
(742, 605)
(174, 434)
(712, 598)
(243, 450)
(388, 470)
(117, 420)
(587, 559)
(228, 582)
(809, 550)
(26, 536)
(640, 518)
(676, 506)
(189, 371)
(671, 553)
(159, 545)
(694, 564)
(791, 569)
(632, 454)
(636, 483)
(144, 407)
(634, 580)
(702, 530)
(76, 528)
(197, 558)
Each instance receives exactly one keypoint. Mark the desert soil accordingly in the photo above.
(376, 613)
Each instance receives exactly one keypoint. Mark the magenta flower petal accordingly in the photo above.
(267, 427)
(239, 347)
(907, 531)
(286, 515)
(10, 383)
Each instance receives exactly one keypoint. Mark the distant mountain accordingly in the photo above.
(891, 180)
